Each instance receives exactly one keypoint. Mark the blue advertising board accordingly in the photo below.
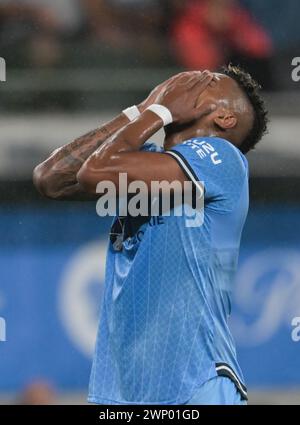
(52, 268)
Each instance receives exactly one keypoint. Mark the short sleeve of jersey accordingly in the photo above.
(216, 165)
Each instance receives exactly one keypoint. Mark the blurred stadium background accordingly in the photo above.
(71, 65)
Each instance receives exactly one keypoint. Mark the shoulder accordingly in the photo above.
(213, 149)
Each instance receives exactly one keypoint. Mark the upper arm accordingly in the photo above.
(214, 165)
(147, 167)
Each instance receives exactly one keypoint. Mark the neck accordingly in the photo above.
(180, 134)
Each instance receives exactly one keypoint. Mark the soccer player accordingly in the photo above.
(163, 335)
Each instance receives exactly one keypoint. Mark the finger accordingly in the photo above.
(203, 110)
(184, 74)
(194, 79)
(216, 79)
(165, 83)
(186, 78)
(201, 74)
(205, 76)
(199, 78)
(201, 85)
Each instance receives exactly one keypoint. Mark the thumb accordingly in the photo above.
(203, 110)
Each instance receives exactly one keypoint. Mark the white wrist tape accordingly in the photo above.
(132, 112)
(162, 112)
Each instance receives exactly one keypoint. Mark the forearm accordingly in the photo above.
(56, 176)
(109, 159)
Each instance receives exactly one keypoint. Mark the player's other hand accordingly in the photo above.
(181, 93)
(154, 95)
(158, 91)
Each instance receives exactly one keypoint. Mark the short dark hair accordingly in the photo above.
(252, 90)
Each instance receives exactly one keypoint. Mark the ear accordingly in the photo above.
(225, 119)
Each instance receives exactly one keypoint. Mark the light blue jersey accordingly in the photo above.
(163, 330)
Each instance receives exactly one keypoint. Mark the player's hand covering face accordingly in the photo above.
(184, 79)
(122, 153)
(181, 94)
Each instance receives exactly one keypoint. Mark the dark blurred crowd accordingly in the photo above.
(190, 34)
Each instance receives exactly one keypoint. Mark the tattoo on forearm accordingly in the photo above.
(65, 162)
(74, 154)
